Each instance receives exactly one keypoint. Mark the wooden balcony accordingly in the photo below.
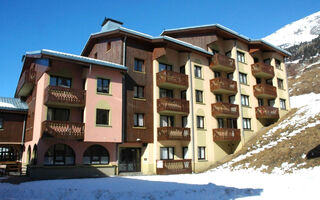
(170, 79)
(26, 82)
(265, 91)
(172, 106)
(220, 109)
(226, 134)
(221, 62)
(267, 112)
(173, 133)
(174, 166)
(262, 70)
(223, 86)
(55, 95)
(63, 130)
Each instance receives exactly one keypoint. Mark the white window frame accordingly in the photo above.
(201, 153)
(243, 78)
(241, 57)
(199, 96)
(138, 92)
(247, 123)
(245, 100)
(169, 153)
(197, 71)
(283, 105)
(138, 120)
(200, 122)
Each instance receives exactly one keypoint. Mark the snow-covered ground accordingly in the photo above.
(303, 30)
(219, 183)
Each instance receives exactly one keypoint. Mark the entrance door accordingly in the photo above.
(130, 159)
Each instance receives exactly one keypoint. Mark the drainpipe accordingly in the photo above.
(23, 132)
(239, 92)
(192, 115)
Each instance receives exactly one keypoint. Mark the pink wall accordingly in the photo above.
(95, 133)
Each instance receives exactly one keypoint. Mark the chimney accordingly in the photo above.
(110, 24)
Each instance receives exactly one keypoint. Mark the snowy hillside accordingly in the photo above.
(303, 30)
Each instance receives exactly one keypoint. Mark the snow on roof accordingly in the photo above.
(12, 104)
(77, 58)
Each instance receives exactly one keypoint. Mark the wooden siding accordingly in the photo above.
(112, 55)
(12, 127)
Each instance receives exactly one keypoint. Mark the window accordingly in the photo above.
(96, 154)
(8, 154)
(240, 56)
(138, 92)
(184, 121)
(108, 46)
(183, 69)
(166, 121)
(271, 102)
(60, 81)
(217, 74)
(1, 123)
(165, 93)
(58, 114)
(278, 64)
(269, 81)
(138, 65)
(96, 55)
(59, 154)
(280, 83)
(267, 61)
(232, 99)
(185, 152)
(218, 98)
(138, 120)
(200, 122)
(166, 153)
(184, 94)
(258, 80)
(231, 123)
(102, 117)
(247, 123)
(103, 85)
(163, 67)
(283, 104)
(197, 72)
(199, 96)
(230, 76)
(260, 102)
(255, 60)
(201, 153)
(228, 54)
(243, 78)
(244, 100)
(220, 123)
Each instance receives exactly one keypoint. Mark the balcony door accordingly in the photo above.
(58, 114)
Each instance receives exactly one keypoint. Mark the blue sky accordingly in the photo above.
(65, 25)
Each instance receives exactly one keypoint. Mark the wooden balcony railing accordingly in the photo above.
(223, 86)
(262, 70)
(61, 95)
(265, 91)
(26, 82)
(226, 134)
(174, 166)
(220, 109)
(172, 79)
(63, 130)
(267, 112)
(173, 133)
(221, 62)
(171, 105)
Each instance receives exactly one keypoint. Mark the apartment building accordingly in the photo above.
(192, 95)
(175, 103)
(75, 106)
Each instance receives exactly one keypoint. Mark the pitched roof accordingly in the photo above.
(74, 57)
(13, 104)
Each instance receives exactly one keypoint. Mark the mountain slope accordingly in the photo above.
(303, 30)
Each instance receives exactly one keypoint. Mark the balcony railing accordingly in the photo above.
(173, 133)
(26, 82)
(222, 63)
(170, 105)
(226, 134)
(61, 95)
(267, 112)
(174, 166)
(262, 70)
(220, 109)
(265, 91)
(223, 86)
(172, 79)
(63, 130)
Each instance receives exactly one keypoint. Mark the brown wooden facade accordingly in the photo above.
(12, 131)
